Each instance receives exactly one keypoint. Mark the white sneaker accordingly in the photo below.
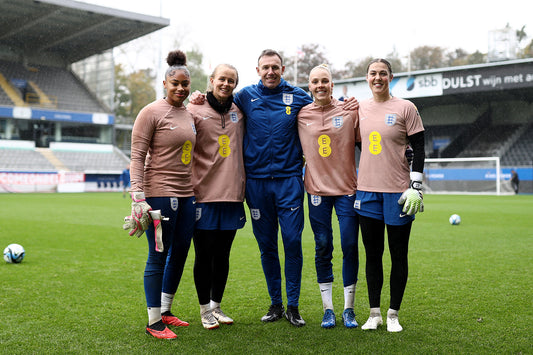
(393, 325)
(221, 317)
(209, 321)
(372, 323)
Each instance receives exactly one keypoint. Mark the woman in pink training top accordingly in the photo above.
(219, 180)
(162, 143)
(388, 193)
(328, 134)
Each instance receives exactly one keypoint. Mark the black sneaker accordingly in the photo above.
(294, 317)
(275, 312)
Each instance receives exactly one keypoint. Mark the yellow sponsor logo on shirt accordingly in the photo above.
(324, 148)
(374, 138)
(186, 154)
(224, 149)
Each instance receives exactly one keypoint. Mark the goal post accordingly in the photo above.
(476, 175)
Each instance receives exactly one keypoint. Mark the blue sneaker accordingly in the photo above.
(329, 320)
(348, 316)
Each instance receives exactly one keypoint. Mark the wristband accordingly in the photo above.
(416, 180)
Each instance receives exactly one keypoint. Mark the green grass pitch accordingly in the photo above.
(80, 286)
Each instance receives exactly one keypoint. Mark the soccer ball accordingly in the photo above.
(14, 253)
(455, 219)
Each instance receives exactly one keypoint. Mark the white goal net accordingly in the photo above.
(464, 175)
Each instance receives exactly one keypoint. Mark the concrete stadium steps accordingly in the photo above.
(50, 156)
(11, 92)
(42, 97)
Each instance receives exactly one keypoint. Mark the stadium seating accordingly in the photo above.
(512, 142)
(489, 141)
(60, 84)
(521, 152)
(24, 160)
(79, 158)
(104, 162)
(448, 132)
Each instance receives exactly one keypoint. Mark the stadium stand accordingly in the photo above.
(24, 160)
(440, 136)
(520, 153)
(50, 88)
(91, 162)
(51, 120)
(485, 144)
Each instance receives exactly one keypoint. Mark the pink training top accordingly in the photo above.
(162, 143)
(218, 167)
(384, 129)
(328, 135)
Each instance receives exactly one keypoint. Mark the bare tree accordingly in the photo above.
(427, 57)
(308, 57)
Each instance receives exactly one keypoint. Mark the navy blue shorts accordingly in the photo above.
(220, 215)
(382, 206)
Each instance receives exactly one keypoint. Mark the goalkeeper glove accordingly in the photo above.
(140, 213)
(158, 229)
(135, 229)
(412, 198)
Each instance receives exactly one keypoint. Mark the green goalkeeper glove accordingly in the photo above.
(412, 198)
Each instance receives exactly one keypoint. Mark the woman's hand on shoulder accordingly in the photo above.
(351, 104)
(197, 98)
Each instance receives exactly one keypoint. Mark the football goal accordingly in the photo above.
(480, 175)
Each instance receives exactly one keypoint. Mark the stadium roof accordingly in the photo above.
(65, 31)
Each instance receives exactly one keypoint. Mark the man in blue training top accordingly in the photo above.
(274, 186)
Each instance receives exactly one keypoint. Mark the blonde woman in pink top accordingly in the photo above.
(162, 143)
(388, 192)
(329, 134)
(219, 180)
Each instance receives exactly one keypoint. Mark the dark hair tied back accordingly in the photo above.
(176, 58)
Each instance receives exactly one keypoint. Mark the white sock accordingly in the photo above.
(326, 291)
(166, 301)
(154, 315)
(204, 308)
(392, 313)
(349, 296)
(375, 312)
(214, 304)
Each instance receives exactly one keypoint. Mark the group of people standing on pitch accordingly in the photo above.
(197, 164)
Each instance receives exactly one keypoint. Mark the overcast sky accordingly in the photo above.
(237, 31)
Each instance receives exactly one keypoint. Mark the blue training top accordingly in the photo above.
(271, 145)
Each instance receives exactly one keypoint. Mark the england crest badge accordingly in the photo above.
(287, 99)
(316, 200)
(198, 213)
(255, 213)
(337, 121)
(390, 119)
(174, 203)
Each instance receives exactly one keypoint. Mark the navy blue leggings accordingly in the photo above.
(163, 270)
